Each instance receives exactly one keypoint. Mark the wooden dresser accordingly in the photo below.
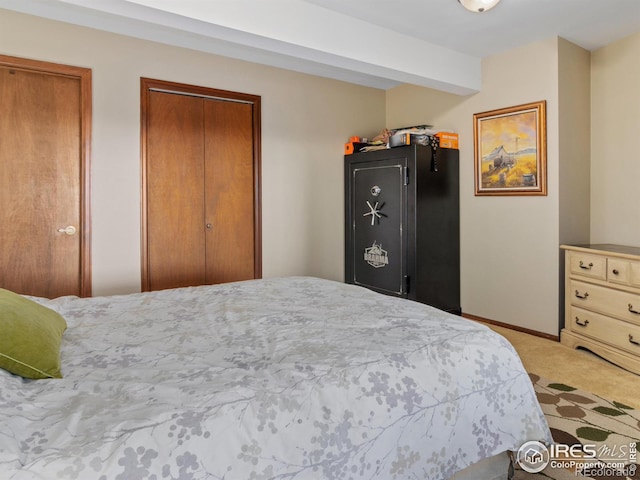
(602, 302)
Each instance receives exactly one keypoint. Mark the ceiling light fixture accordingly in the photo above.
(478, 6)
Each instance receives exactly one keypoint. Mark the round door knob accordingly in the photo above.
(208, 225)
(70, 230)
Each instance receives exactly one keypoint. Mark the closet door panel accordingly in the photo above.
(40, 175)
(175, 191)
(229, 190)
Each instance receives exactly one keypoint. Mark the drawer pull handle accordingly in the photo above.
(631, 340)
(632, 310)
(615, 271)
(586, 267)
(582, 324)
(581, 296)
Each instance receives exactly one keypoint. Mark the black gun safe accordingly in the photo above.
(402, 223)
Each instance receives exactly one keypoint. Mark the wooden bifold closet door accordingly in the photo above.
(201, 213)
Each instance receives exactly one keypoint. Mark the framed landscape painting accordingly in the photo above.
(510, 150)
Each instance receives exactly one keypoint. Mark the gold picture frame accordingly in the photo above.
(510, 150)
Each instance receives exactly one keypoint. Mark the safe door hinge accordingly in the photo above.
(406, 175)
(405, 284)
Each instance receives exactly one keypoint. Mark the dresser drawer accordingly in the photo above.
(604, 300)
(623, 272)
(614, 332)
(592, 266)
(634, 274)
(618, 271)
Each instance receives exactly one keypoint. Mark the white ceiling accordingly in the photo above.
(378, 43)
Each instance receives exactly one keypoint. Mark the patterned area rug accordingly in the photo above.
(595, 433)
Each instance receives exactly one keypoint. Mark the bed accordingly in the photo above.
(285, 378)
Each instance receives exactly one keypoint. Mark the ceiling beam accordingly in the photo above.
(290, 34)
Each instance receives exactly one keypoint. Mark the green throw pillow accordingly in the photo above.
(30, 336)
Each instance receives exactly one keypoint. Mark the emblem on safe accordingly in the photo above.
(376, 256)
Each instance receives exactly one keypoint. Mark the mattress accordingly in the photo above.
(284, 378)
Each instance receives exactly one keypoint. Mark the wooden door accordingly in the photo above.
(200, 163)
(175, 191)
(229, 191)
(44, 129)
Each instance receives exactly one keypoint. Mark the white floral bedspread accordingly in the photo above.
(288, 378)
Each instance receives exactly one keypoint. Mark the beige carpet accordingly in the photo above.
(575, 367)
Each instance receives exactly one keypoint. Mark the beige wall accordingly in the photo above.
(509, 245)
(305, 121)
(574, 131)
(511, 269)
(615, 143)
